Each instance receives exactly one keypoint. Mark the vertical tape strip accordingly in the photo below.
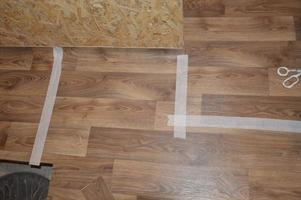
(277, 125)
(181, 96)
(41, 135)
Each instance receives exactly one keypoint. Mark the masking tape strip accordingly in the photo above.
(277, 125)
(181, 95)
(41, 135)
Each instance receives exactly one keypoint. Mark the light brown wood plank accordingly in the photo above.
(179, 182)
(127, 60)
(275, 185)
(64, 141)
(252, 106)
(263, 8)
(240, 29)
(15, 58)
(224, 80)
(204, 8)
(21, 82)
(124, 197)
(242, 54)
(21, 108)
(97, 190)
(117, 85)
(55, 193)
(277, 89)
(103, 112)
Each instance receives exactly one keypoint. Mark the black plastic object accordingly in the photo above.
(23, 186)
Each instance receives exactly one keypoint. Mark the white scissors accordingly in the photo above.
(291, 80)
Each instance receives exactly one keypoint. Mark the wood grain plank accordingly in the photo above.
(69, 172)
(249, 149)
(24, 82)
(204, 8)
(179, 182)
(68, 175)
(224, 80)
(263, 8)
(55, 193)
(117, 85)
(276, 88)
(240, 29)
(15, 58)
(241, 54)
(97, 190)
(124, 197)
(165, 108)
(103, 112)
(21, 108)
(64, 141)
(275, 185)
(43, 58)
(252, 106)
(127, 60)
(151, 198)
(298, 27)
(3, 134)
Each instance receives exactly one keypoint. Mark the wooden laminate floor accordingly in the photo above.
(109, 137)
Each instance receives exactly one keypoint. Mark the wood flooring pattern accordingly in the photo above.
(109, 138)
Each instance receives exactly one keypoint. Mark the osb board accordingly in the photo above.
(110, 23)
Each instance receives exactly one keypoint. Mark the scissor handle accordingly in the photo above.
(283, 71)
(291, 81)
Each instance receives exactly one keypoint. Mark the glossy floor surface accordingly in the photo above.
(109, 137)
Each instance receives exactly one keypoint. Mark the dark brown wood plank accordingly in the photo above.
(77, 111)
(69, 175)
(298, 27)
(240, 29)
(24, 82)
(204, 8)
(242, 54)
(249, 149)
(117, 85)
(252, 106)
(180, 182)
(64, 140)
(43, 58)
(15, 58)
(263, 8)
(127, 60)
